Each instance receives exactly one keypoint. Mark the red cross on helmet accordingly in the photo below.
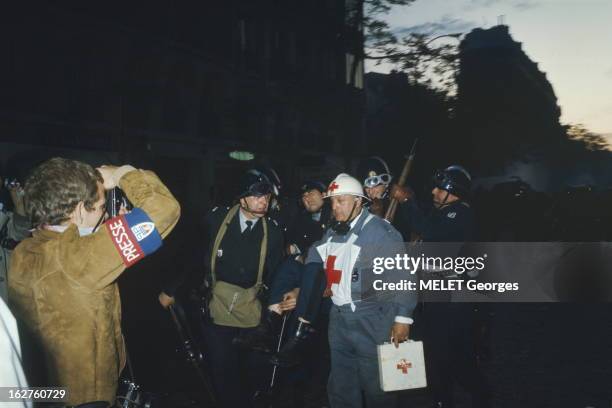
(344, 184)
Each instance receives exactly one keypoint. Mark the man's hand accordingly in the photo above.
(399, 333)
(401, 193)
(289, 300)
(165, 300)
(108, 173)
(292, 249)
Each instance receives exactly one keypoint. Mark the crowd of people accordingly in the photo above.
(261, 272)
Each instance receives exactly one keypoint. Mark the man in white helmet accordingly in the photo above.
(360, 318)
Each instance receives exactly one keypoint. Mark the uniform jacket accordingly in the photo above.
(304, 231)
(63, 287)
(401, 222)
(375, 238)
(244, 273)
(452, 223)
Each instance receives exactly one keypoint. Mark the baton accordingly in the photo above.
(278, 347)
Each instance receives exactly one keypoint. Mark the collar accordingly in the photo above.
(56, 228)
(352, 224)
(454, 204)
(243, 220)
(53, 231)
(316, 216)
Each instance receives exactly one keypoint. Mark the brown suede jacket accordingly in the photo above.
(63, 288)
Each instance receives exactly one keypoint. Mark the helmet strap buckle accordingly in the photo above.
(343, 227)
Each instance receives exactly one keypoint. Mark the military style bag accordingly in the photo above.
(232, 305)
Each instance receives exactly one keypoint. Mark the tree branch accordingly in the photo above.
(399, 55)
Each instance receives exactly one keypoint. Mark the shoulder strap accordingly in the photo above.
(221, 233)
(262, 252)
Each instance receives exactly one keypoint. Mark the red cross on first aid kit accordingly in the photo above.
(404, 365)
(401, 368)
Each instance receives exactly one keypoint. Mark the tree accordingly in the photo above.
(589, 140)
(415, 54)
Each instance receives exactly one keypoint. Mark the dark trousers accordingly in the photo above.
(450, 357)
(310, 278)
(236, 373)
(353, 337)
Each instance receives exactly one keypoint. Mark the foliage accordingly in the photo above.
(590, 140)
(416, 54)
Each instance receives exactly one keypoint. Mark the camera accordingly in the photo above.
(115, 199)
(10, 182)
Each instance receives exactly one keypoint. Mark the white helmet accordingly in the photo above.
(344, 184)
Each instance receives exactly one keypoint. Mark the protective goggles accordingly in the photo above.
(377, 180)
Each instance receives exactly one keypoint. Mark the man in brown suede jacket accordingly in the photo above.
(63, 280)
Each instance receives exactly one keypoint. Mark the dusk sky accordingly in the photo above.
(571, 40)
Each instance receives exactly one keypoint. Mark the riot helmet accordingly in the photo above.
(254, 183)
(455, 180)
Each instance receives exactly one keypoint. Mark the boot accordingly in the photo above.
(291, 353)
(263, 336)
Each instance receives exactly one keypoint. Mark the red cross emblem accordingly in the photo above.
(404, 365)
(333, 186)
(333, 275)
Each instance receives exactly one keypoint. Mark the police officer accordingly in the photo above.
(452, 219)
(376, 177)
(447, 327)
(311, 222)
(360, 318)
(245, 248)
(281, 209)
(294, 278)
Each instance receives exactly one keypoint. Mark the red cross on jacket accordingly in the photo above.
(333, 275)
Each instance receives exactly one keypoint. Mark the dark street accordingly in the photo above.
(272, 155)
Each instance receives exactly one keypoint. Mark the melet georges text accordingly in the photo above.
(437, 274)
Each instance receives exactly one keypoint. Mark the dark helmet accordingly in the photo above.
(272, 176)
(254, 183)
(313, 185)
(454, 179)
(373, 171)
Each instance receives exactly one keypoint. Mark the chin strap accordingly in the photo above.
(443, 203)
(343, 227)
(247, 209)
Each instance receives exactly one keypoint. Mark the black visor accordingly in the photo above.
(259, 189)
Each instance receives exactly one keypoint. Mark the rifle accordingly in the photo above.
(390, 215)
